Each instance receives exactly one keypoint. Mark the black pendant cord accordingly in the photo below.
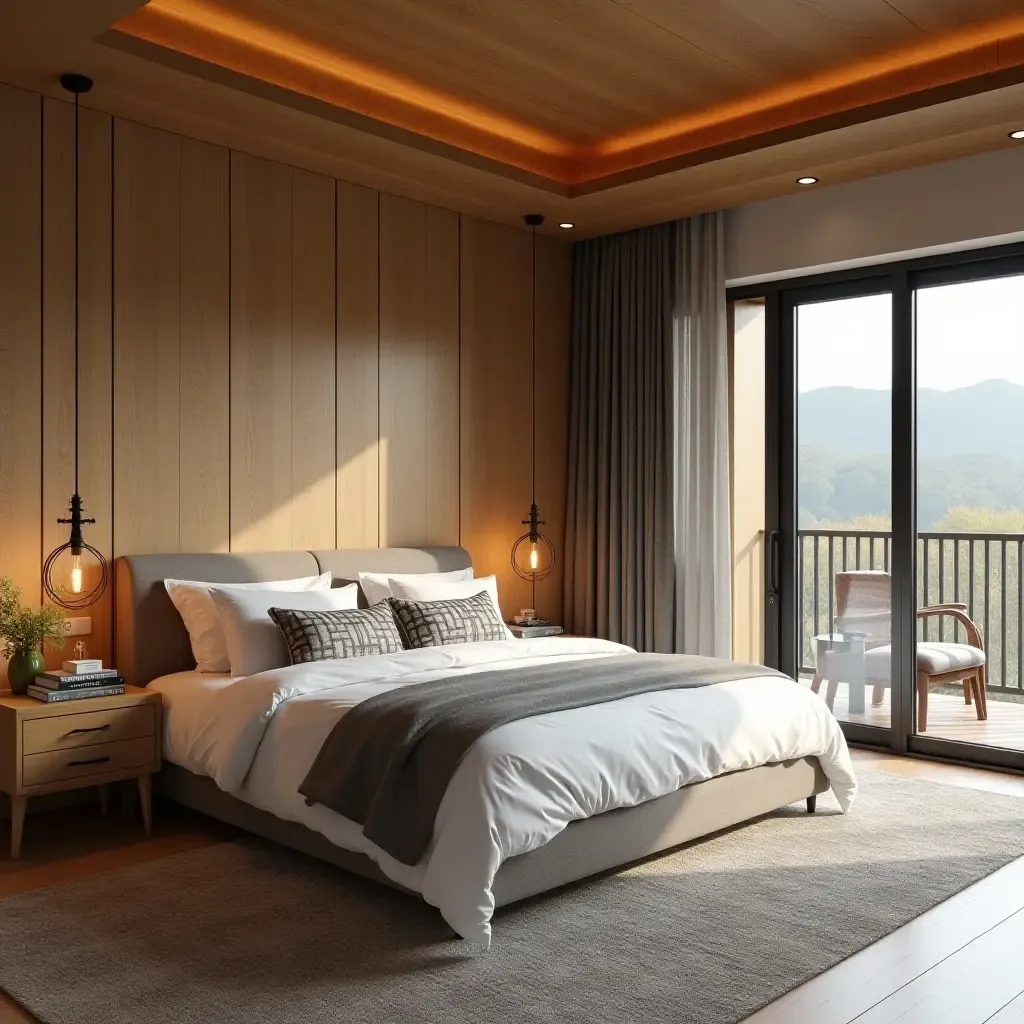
(533, 543)
(533, 365)
(533, 393)
(77, 200)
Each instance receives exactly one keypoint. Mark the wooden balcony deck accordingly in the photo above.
(948, 718)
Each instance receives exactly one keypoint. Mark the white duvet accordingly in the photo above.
(521, 784)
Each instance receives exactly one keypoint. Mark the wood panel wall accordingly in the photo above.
(283, 403)
(419, 373)
(170, 338)
(271, 359)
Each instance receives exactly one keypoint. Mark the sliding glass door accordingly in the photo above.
(894, 501)
(834, 540)
(970, 501)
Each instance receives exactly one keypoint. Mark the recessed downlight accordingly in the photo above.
(1018, 134)
(807, 180)
(567, 224)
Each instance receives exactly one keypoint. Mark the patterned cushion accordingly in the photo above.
(456, 621)
(317, 636)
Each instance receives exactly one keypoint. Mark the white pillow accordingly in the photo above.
(192, 599)
(377, 585)
(445, 590)
(254, 642)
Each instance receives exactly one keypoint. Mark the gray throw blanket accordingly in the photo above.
(388, 761)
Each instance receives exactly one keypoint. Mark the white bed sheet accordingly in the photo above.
(185, 697)
(521, 784)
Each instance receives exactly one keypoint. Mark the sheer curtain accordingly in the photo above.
(647, 514)
(703, 527)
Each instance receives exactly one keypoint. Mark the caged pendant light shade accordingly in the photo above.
(68, 577)
(533, 555)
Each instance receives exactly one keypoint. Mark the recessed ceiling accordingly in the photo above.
(611, 111)
(579, 93)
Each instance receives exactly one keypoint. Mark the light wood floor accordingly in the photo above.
(949, 718)
(960, 963)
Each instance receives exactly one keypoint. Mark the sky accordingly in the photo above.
(966, 333)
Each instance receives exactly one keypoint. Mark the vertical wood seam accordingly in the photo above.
(230, 347)
(113, 433)
(291, 350)
(380, 504)
(42, 361)
(458, 432)
(113, 350)
(180, 304)
(334, 286)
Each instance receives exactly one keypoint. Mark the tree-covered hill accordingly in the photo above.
(970, 452)
(984, 418)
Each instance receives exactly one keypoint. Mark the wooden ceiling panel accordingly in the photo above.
(777, 40)
(591, 69)
(253, 51)
(965, 127)
(944, 15)
(581, 70)
(751, 94)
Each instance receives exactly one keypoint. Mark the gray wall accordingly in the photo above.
(958, 204)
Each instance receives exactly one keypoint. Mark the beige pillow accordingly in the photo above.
(255, 644)
(197, 611)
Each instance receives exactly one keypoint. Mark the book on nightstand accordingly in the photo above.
(51, 687)
(78, 680)
(532, 632)
(52, 696)
(82, 666)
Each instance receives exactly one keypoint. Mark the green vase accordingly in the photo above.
(23, 668)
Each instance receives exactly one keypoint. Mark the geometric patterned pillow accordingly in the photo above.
(460, 620)
(356, 633)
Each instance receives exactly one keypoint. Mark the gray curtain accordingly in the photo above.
(647, 516)
(619, 578)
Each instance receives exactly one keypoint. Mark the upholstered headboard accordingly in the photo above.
(151, 639)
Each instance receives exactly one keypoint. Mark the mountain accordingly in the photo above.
(970, 452)
(985, 418)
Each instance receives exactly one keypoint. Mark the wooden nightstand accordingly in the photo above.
(47, 748)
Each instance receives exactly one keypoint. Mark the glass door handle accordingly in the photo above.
(774, 565)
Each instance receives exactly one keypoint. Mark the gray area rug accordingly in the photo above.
(248, 932)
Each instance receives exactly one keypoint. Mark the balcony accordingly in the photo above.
(983, 570)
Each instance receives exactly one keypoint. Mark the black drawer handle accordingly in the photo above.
(92, 760)
(95, 728)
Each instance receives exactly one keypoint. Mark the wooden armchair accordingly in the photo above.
(864, 606)
(935, 665)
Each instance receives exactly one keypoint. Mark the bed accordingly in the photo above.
(783, 746)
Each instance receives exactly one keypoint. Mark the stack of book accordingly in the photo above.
(533, 628)
(77, 680)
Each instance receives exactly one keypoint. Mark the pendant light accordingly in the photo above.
(533, 556)
(64, 576)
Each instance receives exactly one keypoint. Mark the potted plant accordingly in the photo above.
(23, 631)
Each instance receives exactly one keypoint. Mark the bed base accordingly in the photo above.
(587, 847)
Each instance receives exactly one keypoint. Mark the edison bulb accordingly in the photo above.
(76, 574)
(533, 557)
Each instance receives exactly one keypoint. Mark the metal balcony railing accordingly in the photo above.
(984, 570)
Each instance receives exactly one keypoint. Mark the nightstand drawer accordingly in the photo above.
(65, 732)
(97, 759)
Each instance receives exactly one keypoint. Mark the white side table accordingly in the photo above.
(840, 658)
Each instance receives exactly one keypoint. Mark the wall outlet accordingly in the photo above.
(80, 625)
